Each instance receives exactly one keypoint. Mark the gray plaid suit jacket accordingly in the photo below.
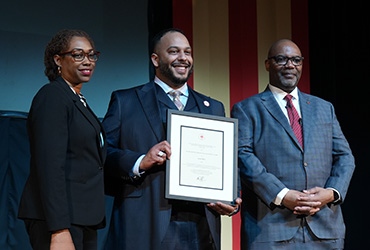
(270, 158)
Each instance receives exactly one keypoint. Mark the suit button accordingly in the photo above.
(305, 164)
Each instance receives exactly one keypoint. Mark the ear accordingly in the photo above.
(57, 60)
(155, 59)
(267, 65)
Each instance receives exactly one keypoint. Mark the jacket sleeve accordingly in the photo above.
(48, 132)
(120, 161)
(343, 161)
(252, 172)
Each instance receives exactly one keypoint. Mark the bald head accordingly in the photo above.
(278, 46)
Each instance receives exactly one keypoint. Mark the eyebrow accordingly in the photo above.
(286, 55)
(82, 49)
(177, 47)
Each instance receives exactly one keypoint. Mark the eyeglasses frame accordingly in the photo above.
(287, 59)
(86, 55)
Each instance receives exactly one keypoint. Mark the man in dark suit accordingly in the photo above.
(295, 163)
(136, 132)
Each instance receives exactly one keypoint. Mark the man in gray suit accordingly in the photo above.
(295, 163)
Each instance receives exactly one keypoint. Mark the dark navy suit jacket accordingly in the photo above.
(141, 214)
(65, 185)
(270, 158)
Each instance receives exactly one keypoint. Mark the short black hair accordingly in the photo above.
(159, 36)
(58, 44)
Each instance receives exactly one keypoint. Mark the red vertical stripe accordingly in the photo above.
(243, 65)
(299, 19)
(243, 49)
(182, 18)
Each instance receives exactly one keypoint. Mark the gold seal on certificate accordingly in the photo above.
(203, 165)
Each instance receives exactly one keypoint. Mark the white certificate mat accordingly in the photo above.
(203, 164)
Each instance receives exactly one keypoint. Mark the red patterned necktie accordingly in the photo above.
(294, 119)
(176, 99)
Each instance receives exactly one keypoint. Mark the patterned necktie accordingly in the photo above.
(83, 100)
(176, 99)
(294, 119)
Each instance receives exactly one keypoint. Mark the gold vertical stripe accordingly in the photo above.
(211, 67)
(273, 23)
(226, 233)
(211, 49)
(211, 55)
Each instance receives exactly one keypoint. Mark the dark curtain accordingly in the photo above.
(159, 18)
(14, 168)
(339, 39)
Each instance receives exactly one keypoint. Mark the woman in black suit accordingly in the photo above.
(63, 200)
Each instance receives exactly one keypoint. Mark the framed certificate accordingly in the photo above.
(203, 164)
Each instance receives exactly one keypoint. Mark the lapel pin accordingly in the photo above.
(308, 102)
(206, 103)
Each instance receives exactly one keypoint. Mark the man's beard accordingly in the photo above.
(287, 84)
(168, 73)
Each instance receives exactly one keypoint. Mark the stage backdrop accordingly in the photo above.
(230, 39)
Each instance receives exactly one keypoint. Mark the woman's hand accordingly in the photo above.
(62, 240)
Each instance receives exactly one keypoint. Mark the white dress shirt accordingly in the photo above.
(279, 97)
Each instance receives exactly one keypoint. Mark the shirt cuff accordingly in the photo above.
(280, 196)
(136, 168)
(339, 197)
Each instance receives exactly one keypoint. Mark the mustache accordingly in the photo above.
(180, 64)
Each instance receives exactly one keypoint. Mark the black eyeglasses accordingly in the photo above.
(79, 55)
(283, 60)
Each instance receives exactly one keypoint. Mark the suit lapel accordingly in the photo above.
(147, 96)
(94, 120)
(191, 104)
(163, 98)
(203, 105)
(86, 111)
(307, 112)
(268, 100)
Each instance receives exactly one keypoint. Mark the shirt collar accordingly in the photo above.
(74, 91)
(280, 94)
(184, 88)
